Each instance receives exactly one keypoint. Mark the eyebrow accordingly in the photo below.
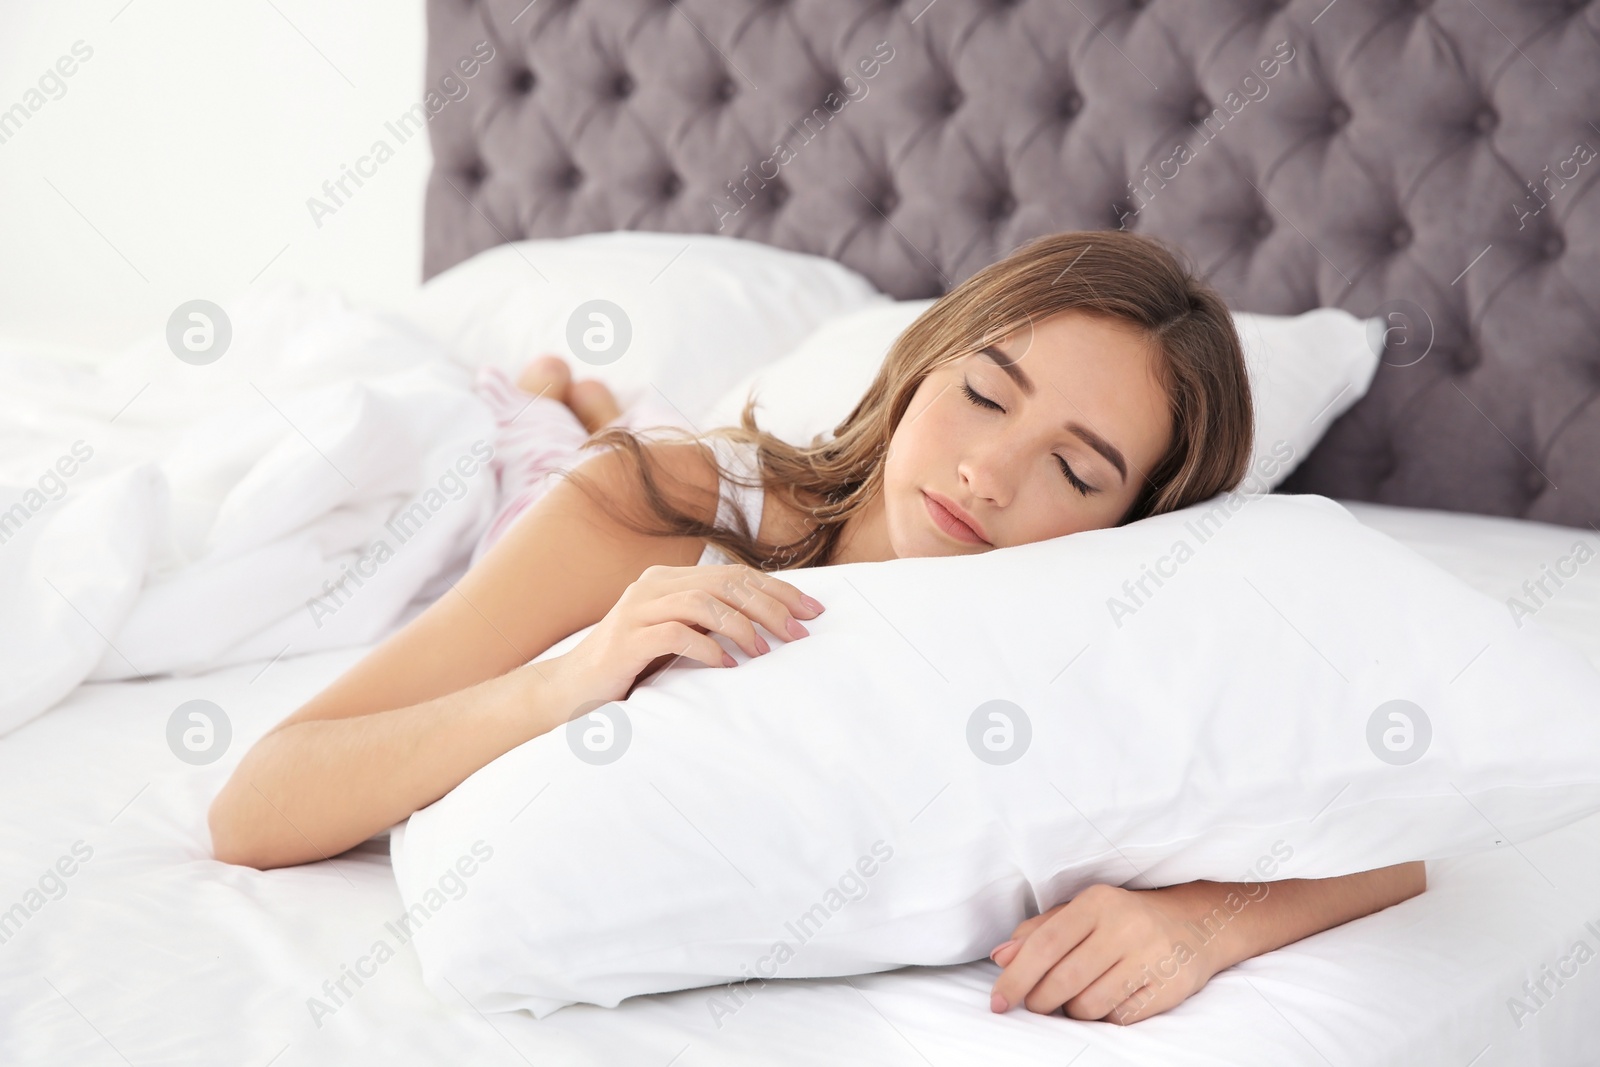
(1088, 436)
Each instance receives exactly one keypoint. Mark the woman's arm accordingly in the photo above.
(558, 568)
(433, 702)
(1124, 955)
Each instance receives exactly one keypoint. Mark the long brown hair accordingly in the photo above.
(1121, 275)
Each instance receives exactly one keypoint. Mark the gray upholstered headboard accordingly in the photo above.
(1432, 162)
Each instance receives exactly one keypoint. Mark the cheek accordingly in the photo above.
(920, 455)
(943, 426)
(920, 439)
(1041, 524)
(1045, 508)
(903, 464)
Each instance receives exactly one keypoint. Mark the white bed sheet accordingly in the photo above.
(157, 954)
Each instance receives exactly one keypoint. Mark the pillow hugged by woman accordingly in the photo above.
(1085, 381)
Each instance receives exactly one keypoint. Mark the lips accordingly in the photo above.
(952, 520)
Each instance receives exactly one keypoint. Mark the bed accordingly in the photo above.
(157, 954)
(1413, 162)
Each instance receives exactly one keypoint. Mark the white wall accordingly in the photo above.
(190, 140)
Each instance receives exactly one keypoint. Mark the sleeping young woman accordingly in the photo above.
(1085, 381)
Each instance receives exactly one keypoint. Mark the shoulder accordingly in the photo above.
(683, 472)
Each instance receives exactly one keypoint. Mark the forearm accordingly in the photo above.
(1233, 921)
(315, 788)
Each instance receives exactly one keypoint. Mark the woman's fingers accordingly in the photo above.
(761, 606)
(773, 602)
(1052, 942)
(681, 611)
(729, 600)
(704, 608)
(1028, 926)
(1108, 953)
(1073, 972)
(738, 582)
(678, 639)
(1121, 995)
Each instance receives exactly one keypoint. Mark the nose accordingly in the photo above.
(986, 471)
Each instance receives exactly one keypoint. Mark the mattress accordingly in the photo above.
(149, 951)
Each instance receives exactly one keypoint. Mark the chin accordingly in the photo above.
(931, 542)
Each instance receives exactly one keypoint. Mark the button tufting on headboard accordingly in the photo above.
(1437, 162)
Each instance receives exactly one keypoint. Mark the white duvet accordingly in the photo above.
(158, 517)
(297, 492)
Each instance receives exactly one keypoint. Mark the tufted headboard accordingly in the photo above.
(1432, 163)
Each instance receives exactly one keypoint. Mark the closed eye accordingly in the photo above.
(978, 398)
(1083, 487)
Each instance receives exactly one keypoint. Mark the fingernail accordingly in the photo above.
(761, 645)
(1002, 947)
(997, 1004)
(727, 660)
(812, 603)
(795, 629)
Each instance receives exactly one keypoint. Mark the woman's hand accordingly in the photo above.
(672, 611)
(1108, 953)
(1123, 955)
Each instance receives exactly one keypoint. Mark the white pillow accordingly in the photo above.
(1210, 693)
(1305, 371)
(697, 312)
